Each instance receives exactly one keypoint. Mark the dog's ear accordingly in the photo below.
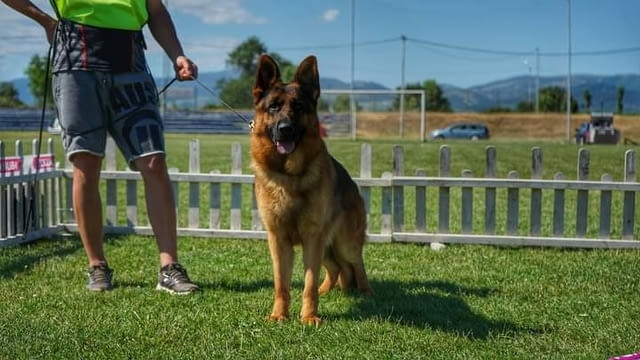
(308, 78)
(267, 75)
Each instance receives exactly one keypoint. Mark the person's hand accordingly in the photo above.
(185, 69)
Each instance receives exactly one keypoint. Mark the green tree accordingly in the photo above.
(554, 99)
(525, 107)
(586, 95)
(434, 98)
(9, 95)
(36, 72)
(620, 100)
(245, 56)
(237, 92)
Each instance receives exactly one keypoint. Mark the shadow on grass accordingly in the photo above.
(436, 305)
(22, 258)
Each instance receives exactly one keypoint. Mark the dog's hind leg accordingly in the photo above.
(362, 281)
(332, 270)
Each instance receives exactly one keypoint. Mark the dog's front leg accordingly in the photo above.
(312, 253)
(282, 263)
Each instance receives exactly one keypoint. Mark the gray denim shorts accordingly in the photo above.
(92, 104)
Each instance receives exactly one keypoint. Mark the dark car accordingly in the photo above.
(471, 131)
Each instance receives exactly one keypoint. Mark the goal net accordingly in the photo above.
(373, 113)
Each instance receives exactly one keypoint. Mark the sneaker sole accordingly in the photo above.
(99, 289)
(173, 292)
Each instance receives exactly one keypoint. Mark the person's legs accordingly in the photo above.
(138, 132)
(87, 205)
(79, 97)
(160, 205)
(87, 208)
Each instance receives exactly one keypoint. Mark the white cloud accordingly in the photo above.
(217, 12)
(330, 15)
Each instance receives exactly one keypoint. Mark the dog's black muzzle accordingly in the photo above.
(285, 135)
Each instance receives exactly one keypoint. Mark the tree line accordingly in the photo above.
(237, 92)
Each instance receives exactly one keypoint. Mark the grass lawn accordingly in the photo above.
(466, 302)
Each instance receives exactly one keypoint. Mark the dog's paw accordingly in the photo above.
(312, 320)
(277, 317)
(368, 291)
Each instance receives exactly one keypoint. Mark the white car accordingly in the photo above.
(54, 127)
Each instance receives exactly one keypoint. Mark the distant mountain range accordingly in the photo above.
(505, 93)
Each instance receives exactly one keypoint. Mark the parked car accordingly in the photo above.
(54, 127)
(473, 131)
(598, 130)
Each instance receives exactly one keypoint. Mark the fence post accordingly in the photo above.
(398, 191)
(4, 205)
(175, 189)
(536, 194)
(68, 201)
(214, 203)
(236, 188)
(111, 187)
(16, 197)
(490, 192)
(132, 202)
(365, 173)
(51, 191)
(582, 201)
(558, 207)
(629, 204)
(513, 206)
(386, 204)
(443, 191)
(421, 204)
(605, 209)
(32, 195)
(194, 187)
(467, 205)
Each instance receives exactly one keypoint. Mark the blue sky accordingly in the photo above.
(457, 42)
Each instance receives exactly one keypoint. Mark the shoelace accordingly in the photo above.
(177, 273)
(99, 274)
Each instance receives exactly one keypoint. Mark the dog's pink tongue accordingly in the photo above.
(285, 147)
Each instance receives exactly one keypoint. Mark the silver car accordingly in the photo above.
(473, 131)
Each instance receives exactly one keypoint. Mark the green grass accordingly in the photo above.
(466, 302)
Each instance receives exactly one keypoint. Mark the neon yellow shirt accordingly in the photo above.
(111, 14)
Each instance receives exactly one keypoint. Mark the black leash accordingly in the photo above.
(249, 122)
(30, 220)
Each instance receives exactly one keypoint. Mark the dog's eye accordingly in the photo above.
(273, 108)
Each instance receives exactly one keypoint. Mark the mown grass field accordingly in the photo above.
(466, 302)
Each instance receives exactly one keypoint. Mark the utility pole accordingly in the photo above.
(569, 72)
(537, 80)
(352, 103)
(402, 85)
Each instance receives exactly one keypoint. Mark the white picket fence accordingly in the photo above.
(400, 208)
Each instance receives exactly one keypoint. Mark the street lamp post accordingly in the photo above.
(568, 71)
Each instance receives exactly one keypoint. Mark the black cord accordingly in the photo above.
(34, 181)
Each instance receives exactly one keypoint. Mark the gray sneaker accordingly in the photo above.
(173, 278)
(100, 278)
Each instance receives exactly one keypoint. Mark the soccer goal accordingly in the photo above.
(373, 113)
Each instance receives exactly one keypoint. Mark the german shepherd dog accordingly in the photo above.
(305, 197)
